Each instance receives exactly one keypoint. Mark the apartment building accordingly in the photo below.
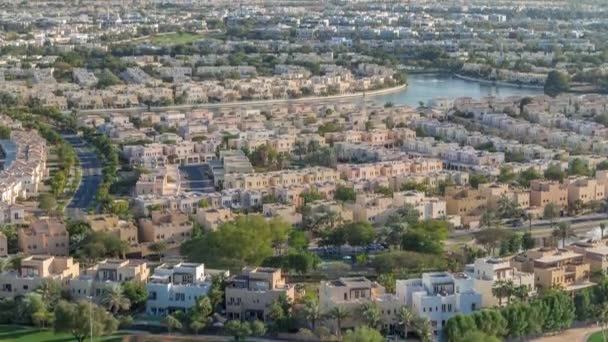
(176, 287)
(268, 180)
(249, 294)
(170, 226)
(212, 218)
(351, 293)
(427, 207)
(553, 267)
(45, 236)
(595, 254)
(466, 202)
(109, 273)
(287, 212)
(389, 169)
(33, 271)
(584, 190)
(545, 192)
(438, 296)
(487, 271)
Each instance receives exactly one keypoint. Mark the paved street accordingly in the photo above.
(91, 174)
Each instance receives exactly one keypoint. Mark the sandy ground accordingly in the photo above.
(570, 335)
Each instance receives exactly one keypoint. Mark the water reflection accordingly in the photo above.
(422, 88)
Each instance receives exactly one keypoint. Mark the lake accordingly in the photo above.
(423, 87)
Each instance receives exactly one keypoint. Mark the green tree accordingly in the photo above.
(583, 305)
(458, 326)
(563, 232)
(370, 314)
(171, 323)
(476, 179)
(406, 317)
(312, 312)
(72, 318)
(557, 309)
(479, 336)
(345, 194)
(490, 322)
(338, 314)
(47, 202)
(425, 237)
(578, 167)
(363, 334)
(527, 241)
(528, 175)
(136, 292)
(114, 300)
(239, 330)
(257, 328)
(551, 212)
(5, 132)
(248, 240)
(556, 83)
(555, 173)
(503, 289)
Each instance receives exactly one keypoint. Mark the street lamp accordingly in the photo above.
(91, 315)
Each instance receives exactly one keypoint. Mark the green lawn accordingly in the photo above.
(24, 334)
(596, 337)
(176, 38)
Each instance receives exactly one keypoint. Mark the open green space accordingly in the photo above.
(14, 333)
(597, 337)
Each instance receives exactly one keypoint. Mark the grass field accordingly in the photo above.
(23, 334)
(176, 38)
(596, 337)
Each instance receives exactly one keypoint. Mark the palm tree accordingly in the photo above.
(602, 228)
(338, 314)
(521, 292)
(114, 300)
(529, 217)
(406, 319)
(502, 289)
(424, 329)
(370, 314)
(563, 231)
(312, 312)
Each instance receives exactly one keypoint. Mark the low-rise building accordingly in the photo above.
(487, 271)
(553, 267)
(170, 226)
(249, 294)
(350, 293)
(438, 296)
(176, 287)
(95, 280)
(45, 236)
(595, 254)
(33, 271)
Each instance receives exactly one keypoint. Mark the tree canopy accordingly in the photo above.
(247, 240)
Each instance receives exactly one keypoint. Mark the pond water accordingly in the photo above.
(423, 87)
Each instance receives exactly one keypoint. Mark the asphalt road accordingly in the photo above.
(539, 227)
(91, 174)
(195, 178)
